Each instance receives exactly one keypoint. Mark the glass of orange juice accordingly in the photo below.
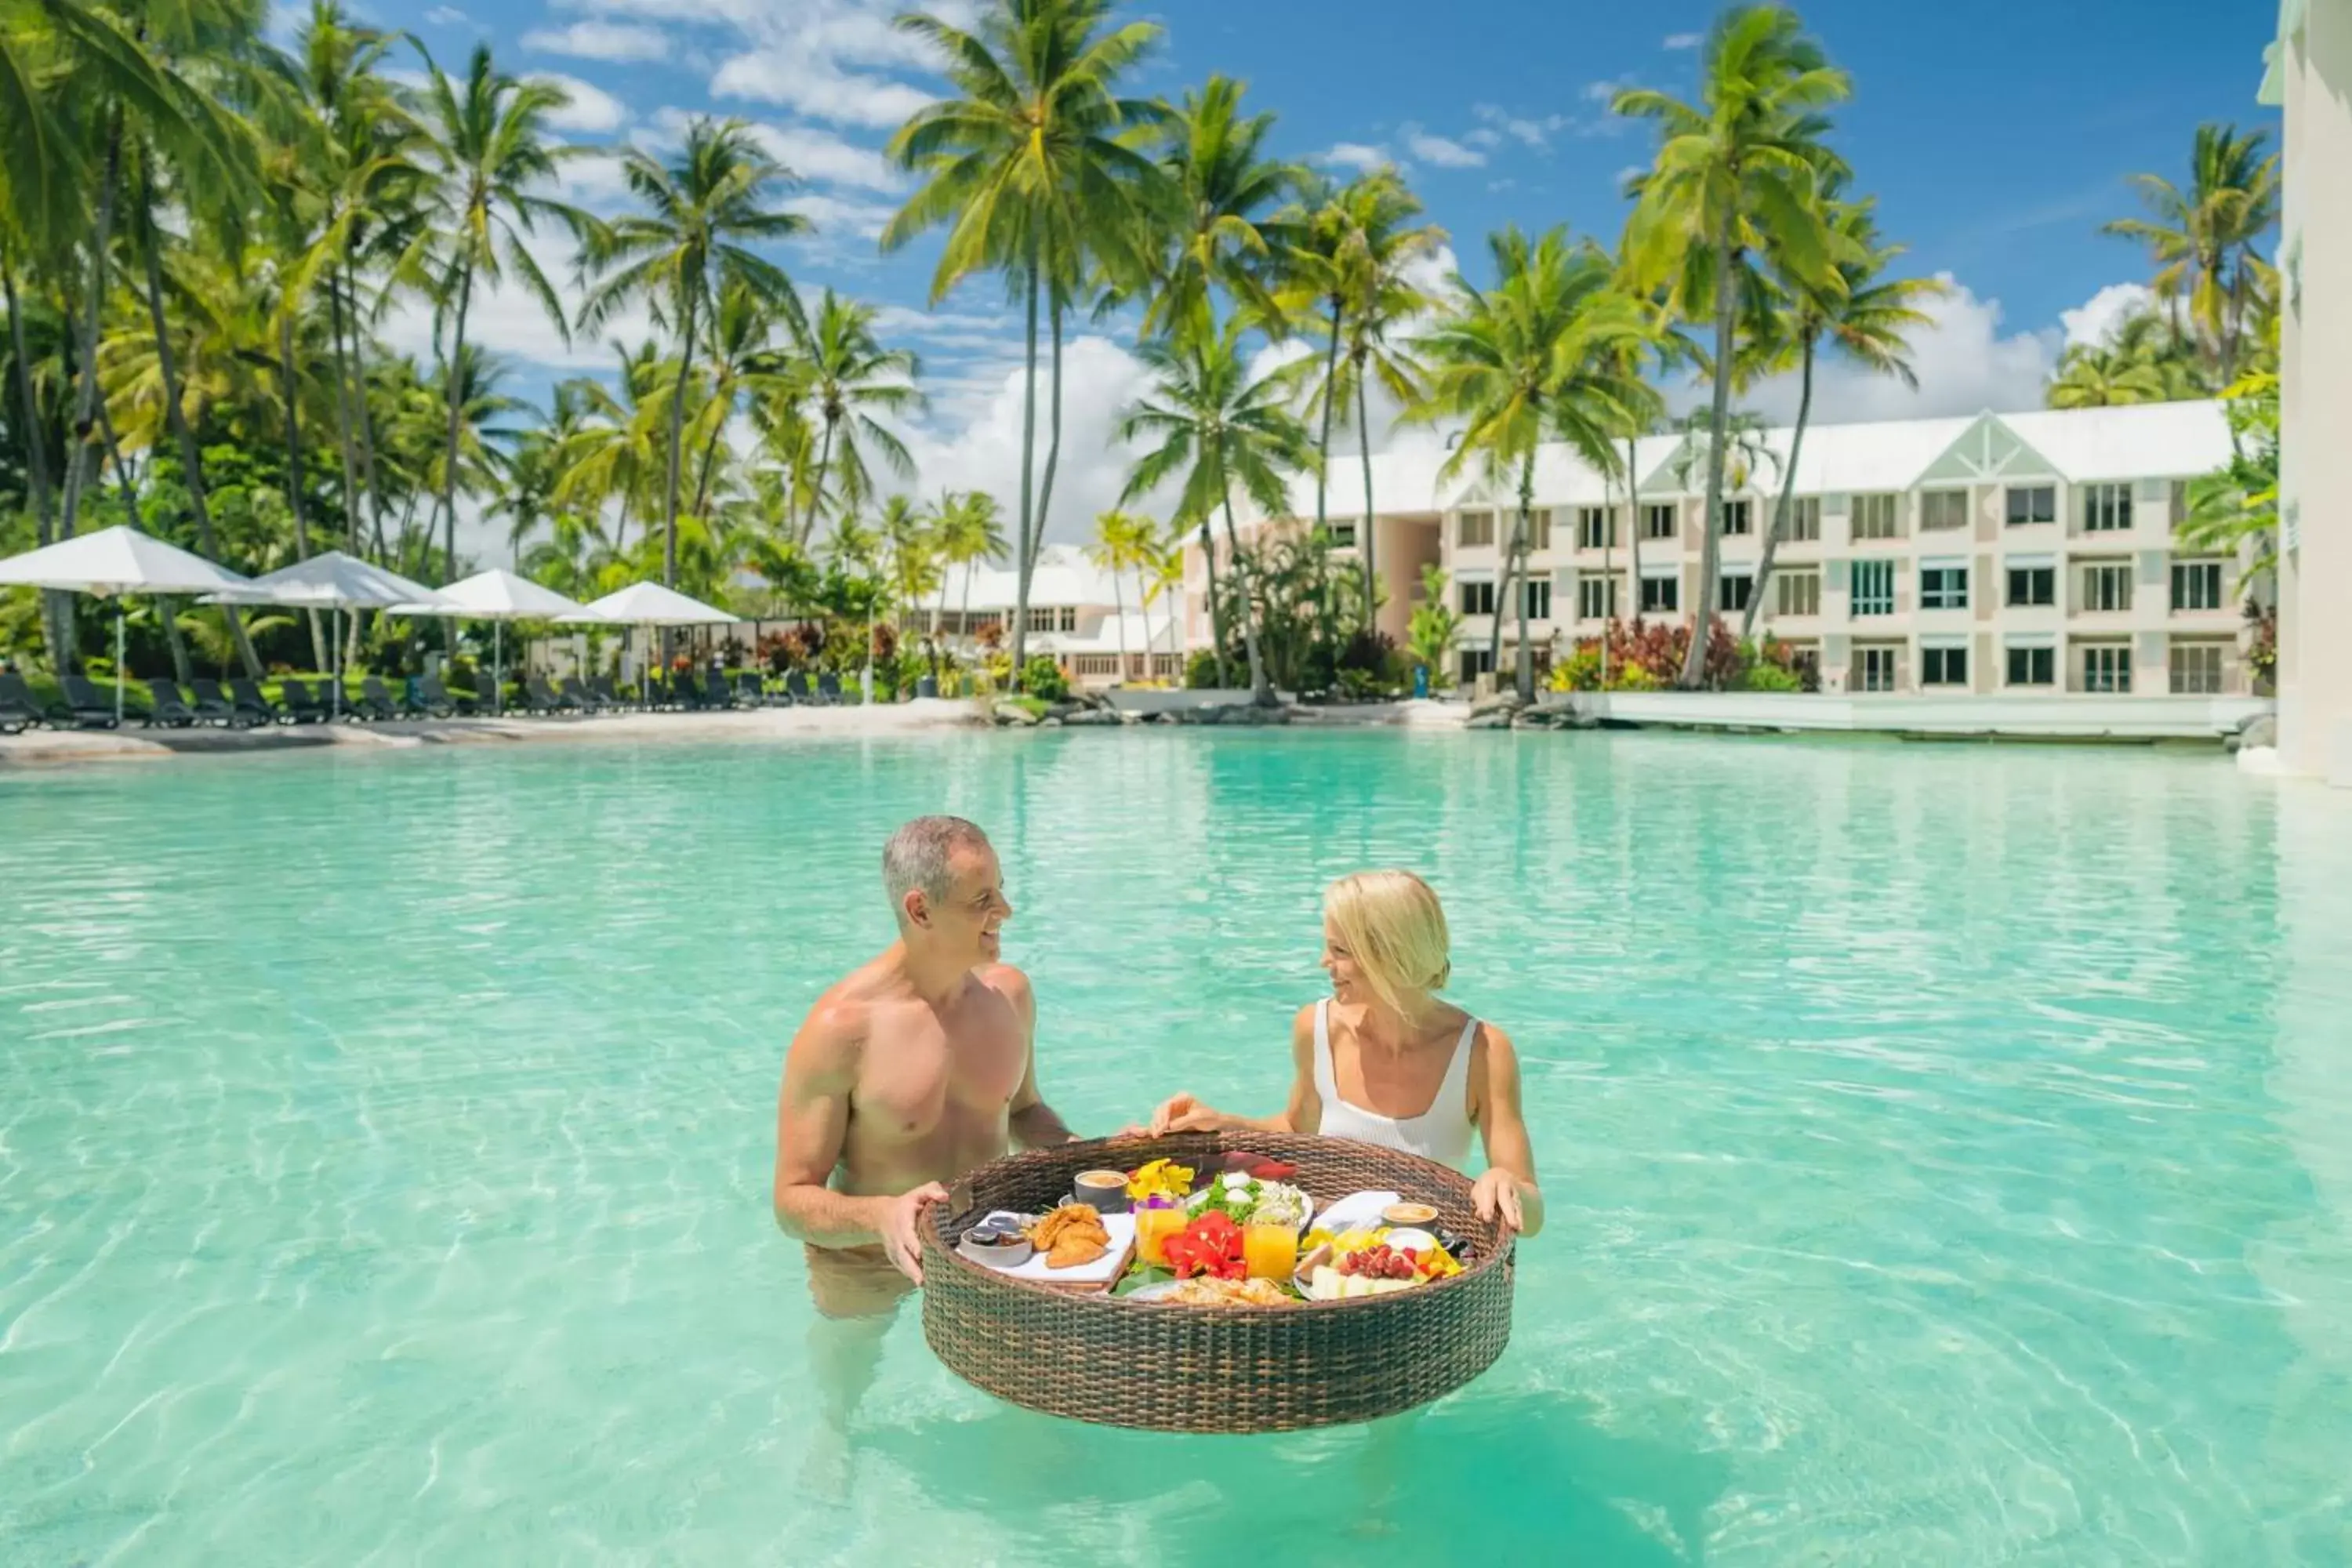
(1153, 1226)
(1270, 1251)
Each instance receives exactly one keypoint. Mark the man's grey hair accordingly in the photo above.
(917, 854)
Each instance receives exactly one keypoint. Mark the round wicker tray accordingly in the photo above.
(1118, 1362)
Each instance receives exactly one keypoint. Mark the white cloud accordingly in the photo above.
(445, 15)
(507, 318)
(1629, 173)
(2096, 320)
(817, 154)
(836, 217)
(1485, 136)
(1355, 155)
(592, 109)
(1442, 150)
(1533, 132)
(800, 84)
(1964, 360)
(594, 182)
(1603, 92)
(1685, 40)
(617, 41)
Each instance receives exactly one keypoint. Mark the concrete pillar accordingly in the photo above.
(2312, 77)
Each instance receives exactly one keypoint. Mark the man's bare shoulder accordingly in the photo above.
(833, 1036)
(1013, 985)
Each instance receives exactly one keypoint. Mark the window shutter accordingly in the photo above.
(2151, 567)
(1835, 577)
(1837, 503)
(2153, 492)
(1563, 586)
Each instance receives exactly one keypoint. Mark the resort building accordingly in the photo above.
(2021, 553)
(1099, 630)
(2309, 80)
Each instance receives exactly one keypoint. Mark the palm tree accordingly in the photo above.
(2204, 239)
(1230, 236)
(1864, 319)
(1525, 361)
(486, 152)
(971, 531)
(1355, 264)
(849, 377)
(469, 390)
(1218, 428)
(1736, 175)
(1121, 541)
(1031, 170)
(687, 251)
(2142, 359)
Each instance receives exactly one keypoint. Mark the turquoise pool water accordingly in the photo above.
(1949, 1150)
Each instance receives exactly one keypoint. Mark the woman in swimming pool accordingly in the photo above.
(1383, 1061)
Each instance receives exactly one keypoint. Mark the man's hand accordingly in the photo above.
(1183, 1113)
(898, 1221)
(1495, 1195)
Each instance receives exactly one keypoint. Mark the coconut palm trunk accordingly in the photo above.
(816, 482)
(360, 395)
(1369, 527)
(1633, 529)
(38, 471)
(1779, 527)
(1694, 661)
(351, 508)
(1053, 435)
(1261, 684)
(676, 436)
(58, 603)
(1119, 607)
(289, 390)
(1216, 606)
(1028, 492)
(449, 455)
(1323, 439)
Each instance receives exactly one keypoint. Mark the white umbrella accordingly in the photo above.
(649, 604)
(335, 582)
(114, 561)
(497, 595)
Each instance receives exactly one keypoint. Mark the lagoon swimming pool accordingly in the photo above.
(1949, 1149)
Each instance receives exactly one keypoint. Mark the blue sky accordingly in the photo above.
(1997, 139)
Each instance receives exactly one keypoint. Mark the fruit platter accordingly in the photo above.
(1228, 1282)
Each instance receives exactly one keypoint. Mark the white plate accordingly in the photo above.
(1307, 1219)
(1102, 1270)
(1358, 1211)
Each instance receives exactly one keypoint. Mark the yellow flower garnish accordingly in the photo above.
(1160, 1178)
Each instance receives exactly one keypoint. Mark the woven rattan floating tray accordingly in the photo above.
(1119, 1363)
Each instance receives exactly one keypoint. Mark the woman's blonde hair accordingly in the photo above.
(1393, 925)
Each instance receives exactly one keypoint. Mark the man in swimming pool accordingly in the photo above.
(910, 1072)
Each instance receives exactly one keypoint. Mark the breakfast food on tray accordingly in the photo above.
(1245, 1199)
(1071, 1234)
(1159, 1179)
(1227, 1293)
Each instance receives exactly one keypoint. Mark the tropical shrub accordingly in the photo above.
(1200, 671)
(1041, 677)
(1580, 670)
(1770, 677)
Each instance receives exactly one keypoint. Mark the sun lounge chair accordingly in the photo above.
(609, 695)
(796, 687)
(575, 692)
(19, 709)
(301, 704)
(373, 702)
(165, 708)
(84, 707)
(437, 699)
(213, 707)
(750, 691)
(537, 700)
(716, 693)
(255, 707)
(828, 687)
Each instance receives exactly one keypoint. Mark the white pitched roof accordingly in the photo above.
(2148, 440)
(1064, 575)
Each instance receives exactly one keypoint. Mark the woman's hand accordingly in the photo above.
(1183, 1113)
(1496, 1196)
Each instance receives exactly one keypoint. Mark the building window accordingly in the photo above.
(1343, 535)
(2032, 503)
(1661, 596)
(1943, 666)
(1943, 509)
(1478, 598)
(1596, 528)
(1874, 587)
(1797, 593)
(2106, 667)
(1596, 598)
(1658, 520)
(2030, 586)
(2032, 667)
(1540, 529)
(1733, 590)
(1475, 531)
(1535, 597)
(2196, 669)
(1877, 517)
(2197, 585)
(1874, 669)
(1736, 518)
(1475, 662)
(1943, 587)
(1060, 618)
(1805, 519)
(2107, 509)
(2106, 587)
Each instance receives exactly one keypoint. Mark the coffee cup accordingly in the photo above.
(1104, 1191)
